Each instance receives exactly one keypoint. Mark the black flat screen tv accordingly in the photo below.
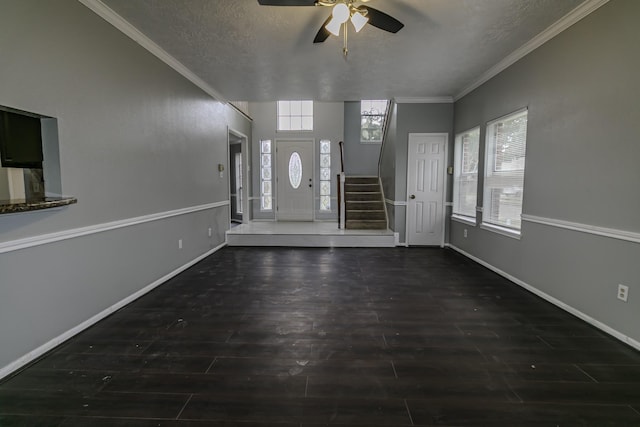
(20, 140)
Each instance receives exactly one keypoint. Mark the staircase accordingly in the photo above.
(364, 204)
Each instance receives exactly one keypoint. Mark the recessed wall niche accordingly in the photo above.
(29, 156)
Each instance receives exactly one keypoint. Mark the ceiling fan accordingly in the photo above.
(344, 11)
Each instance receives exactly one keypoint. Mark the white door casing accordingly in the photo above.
(246, 169)
(294, 198)
(426, 177)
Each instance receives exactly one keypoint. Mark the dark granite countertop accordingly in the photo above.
(22, 205)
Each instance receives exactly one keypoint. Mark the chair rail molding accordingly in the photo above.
(629, 236)
(28, 242)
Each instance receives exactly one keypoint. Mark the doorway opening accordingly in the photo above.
(238, 210)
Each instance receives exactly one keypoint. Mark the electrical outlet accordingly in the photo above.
(623, 293)
(209, 231)
(179, 243)
(465, 233)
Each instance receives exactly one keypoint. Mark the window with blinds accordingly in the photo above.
(506, 143)
(465, 178)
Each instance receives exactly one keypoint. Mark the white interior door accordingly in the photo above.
(294, 180)
(425, 189)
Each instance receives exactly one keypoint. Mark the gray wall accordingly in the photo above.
(51, 157)
(582, 91)
(360, 159)
(135, 139)
(4, 184)
(328, 123)
(406, 119)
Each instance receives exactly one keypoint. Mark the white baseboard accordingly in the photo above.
(609, 330)
(51, 344)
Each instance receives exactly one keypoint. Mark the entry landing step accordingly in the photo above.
(306, 234)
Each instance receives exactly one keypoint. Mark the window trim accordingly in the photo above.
(512, 232)
(471, 220)
(320, 167)
(504, 231)
(383, 115)
(278, 115)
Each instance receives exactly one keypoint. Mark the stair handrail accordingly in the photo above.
(341, 180)
(385, 130)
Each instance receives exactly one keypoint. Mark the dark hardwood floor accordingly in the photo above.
(310, 337)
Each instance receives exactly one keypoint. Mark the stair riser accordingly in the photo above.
(367, 215)
(366, 197)
(361, 206)
(366, 225)
(361, 187)
(361, 180)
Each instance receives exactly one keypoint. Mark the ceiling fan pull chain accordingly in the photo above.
(345, 49)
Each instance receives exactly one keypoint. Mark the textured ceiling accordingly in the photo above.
(263, 53)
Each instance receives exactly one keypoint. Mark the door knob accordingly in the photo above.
(412, 197)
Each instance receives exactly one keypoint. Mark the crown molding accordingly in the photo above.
(565, 22)
(425, 100)
(133, 33)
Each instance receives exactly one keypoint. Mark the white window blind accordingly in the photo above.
(504, 170)
(465, 178)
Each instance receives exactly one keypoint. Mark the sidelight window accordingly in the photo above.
(325, 175)
(266, 194)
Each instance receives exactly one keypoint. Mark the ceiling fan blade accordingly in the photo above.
(382, 20)
(323, 33)
(287, 2)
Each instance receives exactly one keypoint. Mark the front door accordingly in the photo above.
(294, 180)
(425, 189)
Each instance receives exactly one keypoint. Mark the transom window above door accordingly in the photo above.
(295, 116)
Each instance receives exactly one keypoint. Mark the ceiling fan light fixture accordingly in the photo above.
(341, 13)
(334, 27)
(358, 20)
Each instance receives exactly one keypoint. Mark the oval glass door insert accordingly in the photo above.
(295, 170)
